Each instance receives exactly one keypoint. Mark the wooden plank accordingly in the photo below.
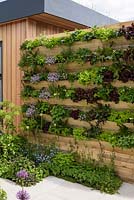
(108, 125)
(75, 84)
(70, 67)
(68, 102)
(118, 43)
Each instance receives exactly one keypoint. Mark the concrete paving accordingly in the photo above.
(52, 188)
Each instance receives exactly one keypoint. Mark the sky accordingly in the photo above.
(122, 10)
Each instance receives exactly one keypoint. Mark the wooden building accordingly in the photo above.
(24, 19)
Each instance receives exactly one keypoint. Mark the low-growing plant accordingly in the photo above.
(102, 177)
(3, 195)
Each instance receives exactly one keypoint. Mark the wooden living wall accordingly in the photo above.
(91, 148)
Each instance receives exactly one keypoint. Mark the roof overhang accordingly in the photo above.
(66, 9)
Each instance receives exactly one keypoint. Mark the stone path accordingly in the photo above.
(52, 188)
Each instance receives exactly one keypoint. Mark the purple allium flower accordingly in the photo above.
(44, 94)
(53, 76)
(22, 195)
(35, 78)
(50, 60)
(30, 111)
(22, 174)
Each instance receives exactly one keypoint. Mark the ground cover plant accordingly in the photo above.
(38, 162)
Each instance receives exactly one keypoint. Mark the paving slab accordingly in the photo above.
(52, 188)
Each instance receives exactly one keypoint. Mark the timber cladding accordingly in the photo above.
(123, 159)
(12, 35)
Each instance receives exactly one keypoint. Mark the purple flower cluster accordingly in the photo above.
(22, 195)
(22, 174)
(31, 111)
(35, 78)
(50, 60)
(53, 76)
(44, 94)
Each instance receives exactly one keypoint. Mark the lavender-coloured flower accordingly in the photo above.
(50, 60)
(35, 78)
(22, 174)
(44, 94)
(31, 111)
(23, 195)
(53, 76)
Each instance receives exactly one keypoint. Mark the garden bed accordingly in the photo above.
(123, 159)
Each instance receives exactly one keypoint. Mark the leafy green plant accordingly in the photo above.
(31, 59)
(11, 145)
(59, 113)
(124, 138)
(8, 112)
(27, 91)
(99, 177)
(126, 94)
(79, 133)
(60, 129)
(121, 117)
(90, 76)
(78, 35)
(3, 195)
(43, 107)
(29, 124)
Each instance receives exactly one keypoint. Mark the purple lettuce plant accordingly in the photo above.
(35, 78)
(31, 111)
(22, 195)
(44, 94)
(53, 76)
(50, 60)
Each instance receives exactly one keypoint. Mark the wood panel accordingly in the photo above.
(59, 22)
(75, 84)
(82, 104)
(12, 35)
(108, 125)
